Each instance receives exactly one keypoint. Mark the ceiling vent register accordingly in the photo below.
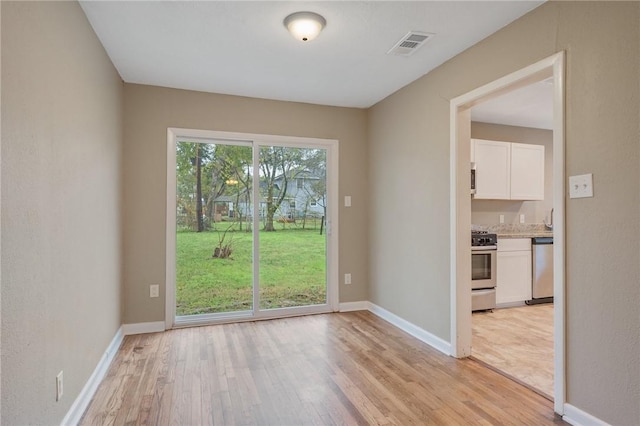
(408, 44)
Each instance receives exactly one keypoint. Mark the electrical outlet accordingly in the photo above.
(347, 200)
(347, 278)
(501, 218)
(154, 290)
(59, 386)
(521, 218)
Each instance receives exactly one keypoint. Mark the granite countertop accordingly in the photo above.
(531, 234)
(529, 230)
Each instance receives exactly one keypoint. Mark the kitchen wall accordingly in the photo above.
(61, 187)
(149, 111)
(409, 161)
(487, 212)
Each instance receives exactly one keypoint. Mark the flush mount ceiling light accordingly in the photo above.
(304, 26)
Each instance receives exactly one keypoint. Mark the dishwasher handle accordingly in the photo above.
(542, 240)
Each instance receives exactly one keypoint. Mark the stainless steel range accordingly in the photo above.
(484, 247)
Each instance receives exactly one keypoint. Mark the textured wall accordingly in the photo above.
(487, 212)
(0, 217)
(61, 146)
(409, 164)
(149, 111)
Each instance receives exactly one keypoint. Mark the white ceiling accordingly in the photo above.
(530, 106)
(242, 48)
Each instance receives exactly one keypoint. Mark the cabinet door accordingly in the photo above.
(514, 277)
(492, 160)
(527, 172)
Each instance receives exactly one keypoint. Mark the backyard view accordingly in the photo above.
(215, 235)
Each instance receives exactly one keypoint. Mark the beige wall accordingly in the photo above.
(409, 166)
(487, 212)
(61, 168)
(149, 111)
(0, 216)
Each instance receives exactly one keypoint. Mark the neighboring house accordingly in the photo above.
(305, 197)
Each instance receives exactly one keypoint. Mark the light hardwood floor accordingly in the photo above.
(347, 368)
(519, 342)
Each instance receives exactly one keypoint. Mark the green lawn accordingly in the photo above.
(292, 271)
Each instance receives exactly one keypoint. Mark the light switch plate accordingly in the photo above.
(347, 200)
(581, 186)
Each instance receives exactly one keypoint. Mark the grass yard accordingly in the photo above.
(292, 271)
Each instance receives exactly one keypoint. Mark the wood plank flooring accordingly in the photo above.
(348, 368)
(519, 342)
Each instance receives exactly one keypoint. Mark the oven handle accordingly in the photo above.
(483, 248)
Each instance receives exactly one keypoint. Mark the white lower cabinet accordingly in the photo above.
(514, 271)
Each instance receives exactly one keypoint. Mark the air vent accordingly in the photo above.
(409, 43)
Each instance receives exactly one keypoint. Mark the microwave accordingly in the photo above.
(473, 178)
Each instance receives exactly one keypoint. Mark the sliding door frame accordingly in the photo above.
(175, 135)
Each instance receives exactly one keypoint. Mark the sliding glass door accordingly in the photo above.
(214, 242)
(293, 243)
(250, 229)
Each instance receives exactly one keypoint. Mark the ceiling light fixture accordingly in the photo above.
(304, 26)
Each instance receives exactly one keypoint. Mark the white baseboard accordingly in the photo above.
(143, 327)
(355, 306)
(86, 394)
(577, 417)
(417, 332)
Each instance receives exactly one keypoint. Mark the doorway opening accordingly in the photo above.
(461, 341)
(515, 337)
(251, 227)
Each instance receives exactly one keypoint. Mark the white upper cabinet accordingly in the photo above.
(508, 171)
(527, 172)
(493, 169)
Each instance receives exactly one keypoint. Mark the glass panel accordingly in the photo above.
(481, 266)
(213, 224)
(293, 241)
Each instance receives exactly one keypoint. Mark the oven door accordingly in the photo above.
(483, 267)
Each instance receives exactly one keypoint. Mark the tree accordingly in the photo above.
(186, 184)
(239, 161)
(221, 169)
(206, 172)
(203, 175)
(277, 164)
(198, 161)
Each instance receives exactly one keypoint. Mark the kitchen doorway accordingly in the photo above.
(515, 337)
(552, 67)
(251, 227)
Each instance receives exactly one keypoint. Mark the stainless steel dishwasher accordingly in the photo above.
(542, 270)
